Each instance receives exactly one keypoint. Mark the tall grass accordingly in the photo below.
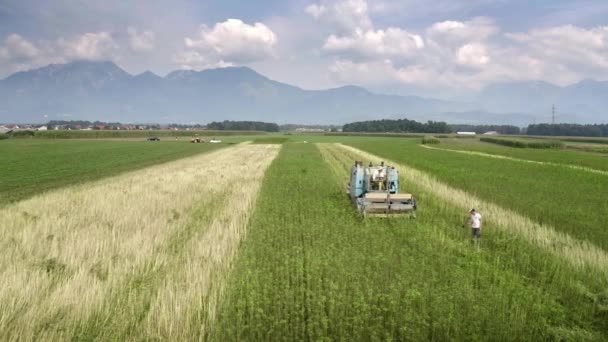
(78, 261)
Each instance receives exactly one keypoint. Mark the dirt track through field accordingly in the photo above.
(64, 254)
(497, 156)
(577, 252)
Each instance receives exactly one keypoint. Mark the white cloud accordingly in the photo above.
(89, 46)
(476, 29)
(473, 55)
(389, 43)
(235, 41)
(458, 54)
(345, 15)
(18, 53)
(316, 10)
(19, 48)
(189, 60)
(141, 41)
(571, 46)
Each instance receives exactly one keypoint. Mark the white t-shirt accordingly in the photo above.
(476, 220)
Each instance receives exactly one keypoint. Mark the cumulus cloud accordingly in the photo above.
(234, 41)
(188, 60)
(571, 46)
(89, 46)
(345, 15)
(474, 55)
(141, 41)
(19, 48)
(389, 43)
(17, 53)
(469, 53)
(476, 29)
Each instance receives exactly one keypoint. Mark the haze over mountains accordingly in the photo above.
(103, 91)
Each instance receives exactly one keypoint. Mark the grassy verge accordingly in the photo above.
(31, 167)
(571, 201)
(312, 269)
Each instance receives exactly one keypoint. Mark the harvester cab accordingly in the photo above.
(374, 190)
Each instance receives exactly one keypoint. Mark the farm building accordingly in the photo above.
(466, 133)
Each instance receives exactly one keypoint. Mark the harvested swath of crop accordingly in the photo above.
(68, 253)
(185, 305)
(577, 252)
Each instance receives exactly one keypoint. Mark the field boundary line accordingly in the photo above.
(498, 156)
(578, 253)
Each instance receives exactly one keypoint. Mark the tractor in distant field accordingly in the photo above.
(197, 140)
(374, 190)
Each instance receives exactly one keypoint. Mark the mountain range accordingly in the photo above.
(103, 91)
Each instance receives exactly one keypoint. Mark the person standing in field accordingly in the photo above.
(475, 221)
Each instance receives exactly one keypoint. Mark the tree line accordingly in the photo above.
(595, 130)
(243, 126)
(397, 126)
(480, 129)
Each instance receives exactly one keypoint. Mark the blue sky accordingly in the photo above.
(442, 46)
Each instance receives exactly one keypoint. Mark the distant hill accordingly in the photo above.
(103, 91)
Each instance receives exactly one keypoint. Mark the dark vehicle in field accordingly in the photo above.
(153, 139)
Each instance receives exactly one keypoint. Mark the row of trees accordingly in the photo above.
(243, 126)
(411, 126)
(397, 126)
(480, 129)
(596, 130)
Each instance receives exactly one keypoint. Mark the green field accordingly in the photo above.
(569, 157)
(330, 275)
(32, 166)
(572, 201)
(259, 242)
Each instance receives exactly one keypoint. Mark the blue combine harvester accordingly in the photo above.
(374, 190)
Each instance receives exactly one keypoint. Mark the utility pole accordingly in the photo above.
(553, 115)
